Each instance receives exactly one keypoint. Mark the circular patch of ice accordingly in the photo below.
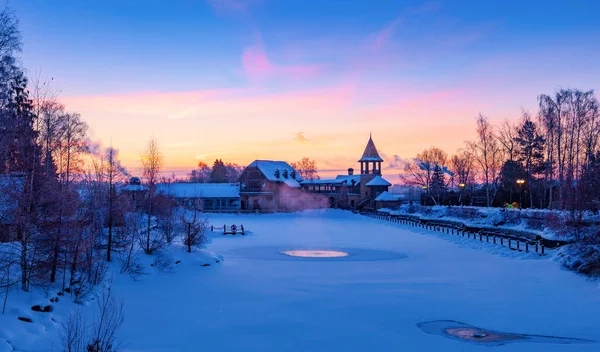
(315, 254)
(312, 254)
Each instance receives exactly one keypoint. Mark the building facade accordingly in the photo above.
(209, 196)
(353, 191)
(268, 185)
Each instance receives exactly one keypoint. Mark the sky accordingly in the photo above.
(241, 80)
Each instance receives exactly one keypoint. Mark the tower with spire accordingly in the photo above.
(371, 182)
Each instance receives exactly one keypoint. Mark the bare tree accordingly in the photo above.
(195, 227)
(306, 168)
(506, 133)
(421, 170)
(461, 165)
(103, 334)
(114, 173)
(152, 162)
(488, 155)
(73, 334)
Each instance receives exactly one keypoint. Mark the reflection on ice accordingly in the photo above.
(315, 254)
(463, 332)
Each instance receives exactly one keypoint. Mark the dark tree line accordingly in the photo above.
(546, 161)
(66, 209)
(220, 172)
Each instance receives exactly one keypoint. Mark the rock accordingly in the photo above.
(27, 320)
(38, 308)
(205, 264)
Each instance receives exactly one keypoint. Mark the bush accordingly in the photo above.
(511, 217)
(463, 213)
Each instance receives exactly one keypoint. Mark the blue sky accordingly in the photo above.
(385, 65)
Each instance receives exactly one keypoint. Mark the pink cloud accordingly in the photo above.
(383, 36)
(258, 67)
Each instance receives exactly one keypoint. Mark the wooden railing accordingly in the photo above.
(521, 242)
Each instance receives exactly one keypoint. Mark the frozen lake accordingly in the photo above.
(393, 278)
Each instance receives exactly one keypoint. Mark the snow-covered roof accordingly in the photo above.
(348, 179)
(200, 190)
(133, 188)
(378, 181)
(370, 153)
(386, 197)
(269, 168)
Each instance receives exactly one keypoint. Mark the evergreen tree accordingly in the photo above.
(530, 150)
(438, 184)
(589, 184)
(509, 174)
(218, 173)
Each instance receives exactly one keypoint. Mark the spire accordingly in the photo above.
(370, 153)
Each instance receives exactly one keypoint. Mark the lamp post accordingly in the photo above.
(520, 182)
(462, 188)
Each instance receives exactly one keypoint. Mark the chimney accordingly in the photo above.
(350, 171)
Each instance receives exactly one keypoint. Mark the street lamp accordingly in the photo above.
(520, 182)
(462, 188)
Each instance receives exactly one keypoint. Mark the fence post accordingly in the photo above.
(212, 229)
(518, 244)
(509, 243)
(494, 237)
(502, 241)
(224, 229)
(542, 245)
(527, 247)
(480, 237)
(487, 237)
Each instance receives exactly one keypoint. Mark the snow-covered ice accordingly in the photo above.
(394, 278)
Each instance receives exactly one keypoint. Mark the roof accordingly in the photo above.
(348, 179)
(133, 188)
(200, 190)
(386, 197)
(269, 168)
(378, 181)
(370, 153)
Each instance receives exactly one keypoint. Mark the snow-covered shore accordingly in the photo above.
(257, 299)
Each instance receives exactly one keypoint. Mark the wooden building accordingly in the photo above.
(353, 191)
(268, 185)
(209, 196)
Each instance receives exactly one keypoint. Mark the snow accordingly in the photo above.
(268, 168)
(394, 278)
(349, 178)
(378, 181)
(133, 188)
(386, 197)
(200, 190)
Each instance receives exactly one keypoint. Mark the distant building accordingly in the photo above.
(135, 190)
(210, 196)
(386, 200)
(269, 185)
(353, 191)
